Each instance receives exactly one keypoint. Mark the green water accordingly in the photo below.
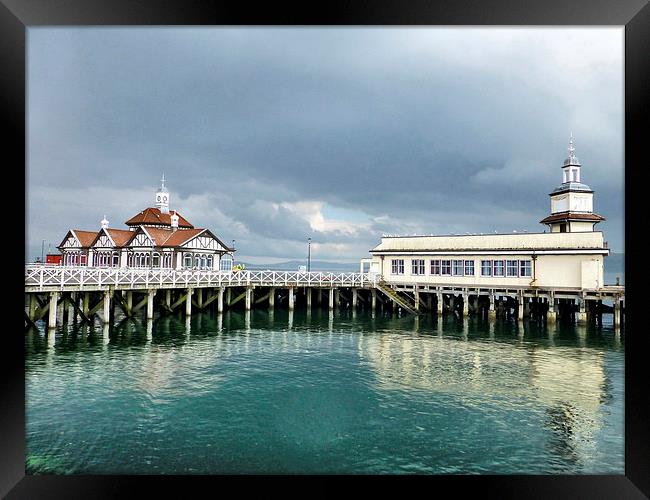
(324, 393)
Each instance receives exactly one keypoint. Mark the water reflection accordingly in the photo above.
(289, 369)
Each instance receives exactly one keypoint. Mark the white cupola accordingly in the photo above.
(104, 223)
(174, 221)
(162, 197)
(572, 202)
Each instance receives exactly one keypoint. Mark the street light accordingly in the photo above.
(233, 252)
(308, 254)
(42, 250)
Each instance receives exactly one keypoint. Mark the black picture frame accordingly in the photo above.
(18, 15)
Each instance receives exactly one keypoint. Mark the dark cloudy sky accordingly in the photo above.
(269, 136)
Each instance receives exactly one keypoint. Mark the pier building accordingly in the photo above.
(156, 238)
(566, 259)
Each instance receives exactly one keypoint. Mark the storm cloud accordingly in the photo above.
(269, 136)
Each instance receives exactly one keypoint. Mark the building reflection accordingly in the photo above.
(567, 384)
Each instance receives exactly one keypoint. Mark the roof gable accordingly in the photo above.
(140, 238)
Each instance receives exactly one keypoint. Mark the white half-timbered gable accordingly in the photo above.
(204, 241)
(141, 239)
(71, 241)
(104, 241)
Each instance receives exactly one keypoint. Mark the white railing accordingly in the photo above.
(44, 277)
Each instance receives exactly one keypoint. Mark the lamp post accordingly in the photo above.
(233, 252)
(308, 254)
(42, 250)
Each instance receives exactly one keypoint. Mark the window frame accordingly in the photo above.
(510, 266)
(488, 267)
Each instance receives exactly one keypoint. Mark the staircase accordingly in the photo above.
(401, 301)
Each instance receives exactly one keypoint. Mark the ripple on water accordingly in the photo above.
(328, 395)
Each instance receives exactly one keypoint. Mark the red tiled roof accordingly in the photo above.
(179, 237)
(164, 237)
(572, 216)
(119, 236)
(85, 238)
(155, 216)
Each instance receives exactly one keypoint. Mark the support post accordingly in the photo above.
(168, 299)
(465, 304)
(308, 299)
(355, 298)
(199, 298)
(520, 307)
(617, 312)
(416, 296)
(551, 314)
(272, 298)
(526, 306)
(452, 302)
(85, 303)
(374, 299)
(290, 298)
(51, 320)
(129, 302)
(150, 295)
(228, 296)
(439, 303)
(33, 306)
(582, 313)
(331, 299)
(220, 300)
(249, 296)
(337, 298)
(492, 313)
(188, 302)
(107, 306)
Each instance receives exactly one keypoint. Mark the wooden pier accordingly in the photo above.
(57, 293)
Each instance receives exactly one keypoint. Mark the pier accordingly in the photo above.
(56, 294)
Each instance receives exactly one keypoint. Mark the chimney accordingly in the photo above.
(174, 221)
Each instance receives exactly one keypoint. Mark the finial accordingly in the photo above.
(163, 180)
(571, 148)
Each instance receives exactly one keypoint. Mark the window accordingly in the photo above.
(156, 260)
(167, 260)
(187, 261)
(116, 259)
(469, 268)
(499, 267)
(210, 266)
(445, 267)
(575, 175)
(417, 266)
(435, 267)
(458, 268)
(225, 264)
(511, 268)
(486, 268)
(204, 262)
(524, 268)
(563, 228)
(397, 266)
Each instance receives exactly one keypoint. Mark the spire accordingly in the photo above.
(572, 159)
(163, 189)
(104, 222)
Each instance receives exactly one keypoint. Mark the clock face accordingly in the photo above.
(164, 198)
(158, 198)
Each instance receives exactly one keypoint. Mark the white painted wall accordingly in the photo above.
(569, 271)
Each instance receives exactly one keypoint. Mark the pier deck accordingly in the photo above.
(87, 290)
